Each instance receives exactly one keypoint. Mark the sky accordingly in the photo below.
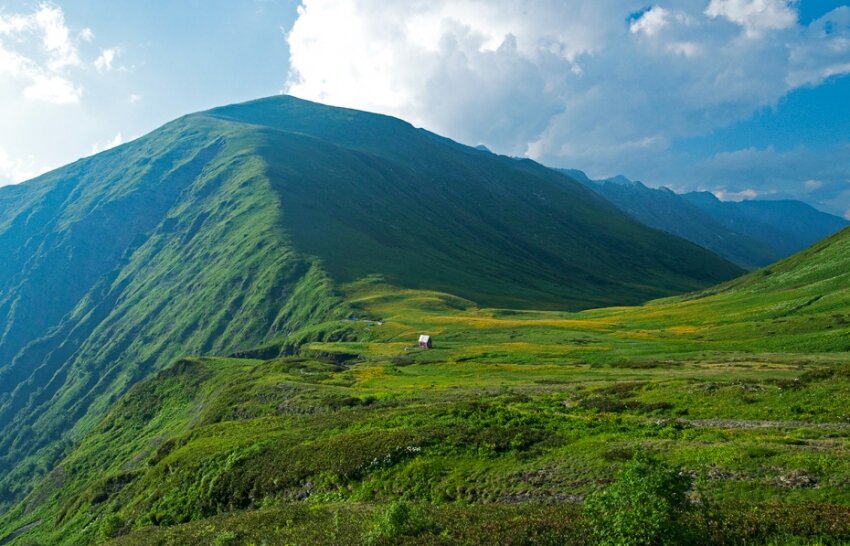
(744, 98)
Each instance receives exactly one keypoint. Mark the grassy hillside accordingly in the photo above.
(496, 434)
(141, 260)
(228, 230)
(370, 194)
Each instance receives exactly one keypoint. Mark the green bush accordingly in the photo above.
(226, 538)
(110, 527)
(643, 507)
(399, 519)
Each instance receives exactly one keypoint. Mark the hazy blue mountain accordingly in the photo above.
(785, 225)
(749, 233)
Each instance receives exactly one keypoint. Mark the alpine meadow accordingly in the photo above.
(287, 322)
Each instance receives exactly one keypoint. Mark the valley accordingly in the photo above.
(512, 416)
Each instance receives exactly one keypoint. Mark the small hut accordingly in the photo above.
(425, 342)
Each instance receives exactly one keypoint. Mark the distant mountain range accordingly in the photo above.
(750, 233)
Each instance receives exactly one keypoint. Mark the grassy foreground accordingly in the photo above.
(497, 435)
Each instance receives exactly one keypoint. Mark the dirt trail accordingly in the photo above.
(749, 424)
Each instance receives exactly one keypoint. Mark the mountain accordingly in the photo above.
(749, 233)
(232, 229)
(426, 212)
(785, 225)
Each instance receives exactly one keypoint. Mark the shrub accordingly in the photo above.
(226, 538)
(399, 519)
(110, 527)
(643, 507)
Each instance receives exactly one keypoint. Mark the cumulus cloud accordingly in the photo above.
(776, 173)
(49, 22)
(651, 22)
(756, 16)
(604, 86)
(54, 89)
(98, 147)
(86, 35)
(16, 169)
(472, 69)
(578, 83)
(823, 51)
(43, 70)
(104, 62)
(37, 51)
(743, 195)
(45, 62)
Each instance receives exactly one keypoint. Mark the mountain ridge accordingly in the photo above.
(751, 233)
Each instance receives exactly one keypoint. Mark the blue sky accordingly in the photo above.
(745, 98)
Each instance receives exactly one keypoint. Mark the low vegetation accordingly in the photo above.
(681, 421)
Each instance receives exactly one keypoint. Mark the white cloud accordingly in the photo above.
(743, 195)
(756, 16)
(49, 21)
(44, 78)
(817, 176)
(134, 98)
(823, 52)
(107, 57)
(86, 35)
(685, 49)
(52, 89)
(98, 147)
(454, 66)
(16, 169)
(651, 22)
(604, 86)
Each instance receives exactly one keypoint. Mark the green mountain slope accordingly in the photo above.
(169, 244)
(227, 230)
(370, 194)
(512, 419)
(749, 233)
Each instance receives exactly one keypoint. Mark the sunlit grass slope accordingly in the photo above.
(168, 245)
(495, 435)
(228, 230)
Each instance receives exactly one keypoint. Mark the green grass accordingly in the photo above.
(501, 430)
(215, 274)
(248, 438)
